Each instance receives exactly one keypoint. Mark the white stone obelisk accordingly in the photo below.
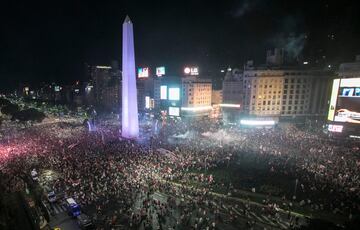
(130, 120)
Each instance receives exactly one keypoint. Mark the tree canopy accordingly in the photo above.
(29, 115)
(10, 109)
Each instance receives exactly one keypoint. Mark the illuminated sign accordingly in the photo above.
(345, 101)
(230, 105)
(163, 92)
(174, 111)
(334, 94)
(350, 82)
(143, 72)
(196, 109)
(103, 67)
(160, 71)
(335, 128)
(174, 94)
(191, 71)
(147, 102)
(257, 122)
(57, 88)
(187, 70)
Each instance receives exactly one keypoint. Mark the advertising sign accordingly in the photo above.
(160, 71)
(174, 94)
(143, 72)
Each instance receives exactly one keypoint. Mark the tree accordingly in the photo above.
(29, 115)
(10, 109)
(4, 102)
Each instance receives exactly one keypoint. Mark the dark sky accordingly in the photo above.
(51, 40)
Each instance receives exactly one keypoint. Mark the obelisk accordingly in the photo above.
(130, 120)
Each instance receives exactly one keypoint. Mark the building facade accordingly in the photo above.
(233, 95)
(107, 87)
(196, 96)
(286, 92)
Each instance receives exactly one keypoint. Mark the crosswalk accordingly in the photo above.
(58, 208)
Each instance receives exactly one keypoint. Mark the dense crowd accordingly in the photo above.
(121, 182)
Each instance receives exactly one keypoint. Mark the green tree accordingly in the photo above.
(10, 109)
(29, 115)
(4, 102)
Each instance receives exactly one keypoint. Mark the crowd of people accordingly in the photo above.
(165, 182)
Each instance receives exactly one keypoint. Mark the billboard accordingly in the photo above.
(174, 111)
(174, 94)
(143, 72)
(163, 92)
(191, 70)
(335, 128)
(345, 101)
(160, 71)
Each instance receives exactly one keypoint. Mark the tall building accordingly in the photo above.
(216, 101)
(232, 95)
(277, 91)
(286, 92)
(100, 76)
(107, 87)
(130, 119)
(196, 96)
(152, 91)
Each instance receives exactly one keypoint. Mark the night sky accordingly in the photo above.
(51, 41)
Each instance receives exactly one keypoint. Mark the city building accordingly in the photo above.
(232, 95)
(217, 97)
(152, 92)
(276, 91)
(107, 87)
(286, 92)
(216, 101)
(196, 96)
(275, 58)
